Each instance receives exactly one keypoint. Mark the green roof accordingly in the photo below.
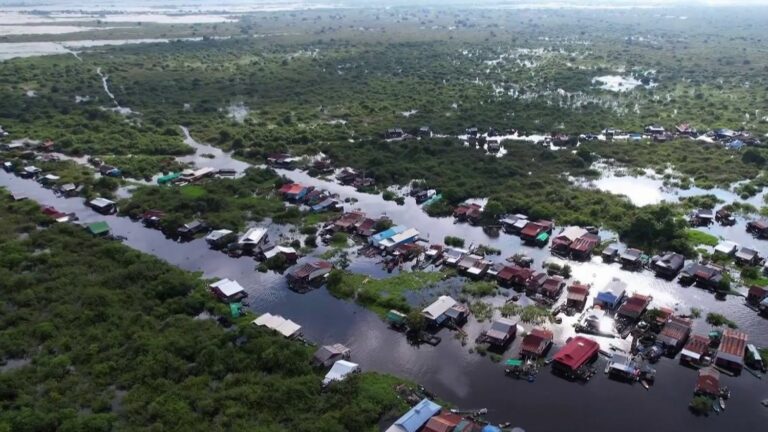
(514, 362)
(98, 228)
(543, 236)
(234, 309)
(167, 178)
(395, 317)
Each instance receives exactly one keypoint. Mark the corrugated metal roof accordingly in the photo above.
(733, 342)
(577, 352)
(416, 417)
(439, 307)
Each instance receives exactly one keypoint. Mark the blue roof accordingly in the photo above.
(417, 416)
(387, 233)
(607, 297)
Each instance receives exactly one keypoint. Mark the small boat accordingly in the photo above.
(721, 402)
(716, 406)
(645, 384)
(765, 403)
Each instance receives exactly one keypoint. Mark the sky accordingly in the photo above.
(126, 4)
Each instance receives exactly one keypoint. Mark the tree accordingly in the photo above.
(415, 321)
(493, 209)
(701, 405)
(753, 156)
(718, 320)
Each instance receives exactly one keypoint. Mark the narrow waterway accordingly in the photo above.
(467, 380)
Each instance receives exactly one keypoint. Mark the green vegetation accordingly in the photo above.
(339, 240)
(657, 228)
(695, 313)
(122, 351)
(223, 203)
(72, 172)
(701, 405)
(751, 275)
(416, 321)
(480, 288)
(529, 314)
(709, 164)
(554, 268)
(454, 241)
(144, 167)
(719, 320)
(708, 201)
(368, 79)
(380, 295)
(481, 310)
(696, 237)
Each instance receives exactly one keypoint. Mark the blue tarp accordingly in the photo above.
(735, 145)
(417, 416)
(607, 297)
(376, 238)
(491, 428)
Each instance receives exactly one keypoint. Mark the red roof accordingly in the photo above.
(578, 292)
(676, 328)
(756, 291)
(443, 422)
(552, 285)
(697, 344)
(708, 381)
(635, 305)
(466, 209)
(532, 229)
(585, 243)
(514, 272)
(536, 342)
(664, 315)
(366, 227)
(577, 352)
(733, 342)
(349, 219)
(291, 188)
(50, 211)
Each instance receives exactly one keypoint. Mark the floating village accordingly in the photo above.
(542, 317)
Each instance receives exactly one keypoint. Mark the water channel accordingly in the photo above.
(467, 380)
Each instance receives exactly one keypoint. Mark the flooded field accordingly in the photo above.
(9, 50)
(466, 379)
(651, 189)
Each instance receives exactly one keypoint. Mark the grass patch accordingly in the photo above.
(481, 310)
(454, 241)
(696, 237)
(480, 288)
(193, 191)
(380, 295)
